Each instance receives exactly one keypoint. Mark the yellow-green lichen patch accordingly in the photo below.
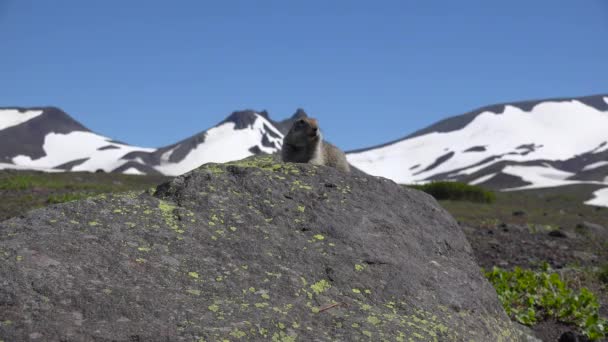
(193, 275)
(167, 210)
(373, 320)
(359, 267)
(213, 308)
(143, 249)
(320, 286)
(319, 237)
(194, 292)
(94, 223)
(283, 337)
(238, 334)
(301, 208)
(356, 290)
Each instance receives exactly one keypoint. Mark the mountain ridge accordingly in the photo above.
(504, 146)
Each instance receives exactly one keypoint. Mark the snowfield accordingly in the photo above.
(600, 198)
(87, 151)
(13, 117)
(63, 148)
(222, 144)
(525, 145)
(550, 131)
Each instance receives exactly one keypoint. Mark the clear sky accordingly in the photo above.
(153, 72)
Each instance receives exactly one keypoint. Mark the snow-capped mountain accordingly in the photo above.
(48, 139)
(507, 146)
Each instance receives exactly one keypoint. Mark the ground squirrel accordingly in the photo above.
(304, 144)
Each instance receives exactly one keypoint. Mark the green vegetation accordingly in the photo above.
(555, 207)
(25, 190)
(67, 197)
(532, 296)
(457, 191)
(603, 274)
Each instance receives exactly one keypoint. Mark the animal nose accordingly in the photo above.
(315, 129)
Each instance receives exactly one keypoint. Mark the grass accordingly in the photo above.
(67, 197)
(531, 296)
(25, 190)
(552, 207)
(457, 191)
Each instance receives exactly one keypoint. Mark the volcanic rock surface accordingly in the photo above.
(250, 250)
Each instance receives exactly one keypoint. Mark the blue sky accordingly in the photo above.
(153, 72)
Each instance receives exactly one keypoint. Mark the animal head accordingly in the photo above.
(303, 132)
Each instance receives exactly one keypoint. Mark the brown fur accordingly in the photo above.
(304, 144)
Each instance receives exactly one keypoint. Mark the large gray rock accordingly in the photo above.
(251, 250)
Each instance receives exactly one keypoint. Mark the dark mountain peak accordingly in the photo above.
(242, 118)
(28, 137)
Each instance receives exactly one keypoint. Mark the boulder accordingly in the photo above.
(248, 250)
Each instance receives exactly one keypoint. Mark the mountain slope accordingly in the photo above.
(519, 145)
(49, 139)
(508, 146)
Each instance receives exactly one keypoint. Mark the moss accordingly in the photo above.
(320, 286)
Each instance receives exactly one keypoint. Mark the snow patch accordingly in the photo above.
(595, 165)
(13, 117)
(600, 197)
(547, 124)
(224, 143)
(133, 171)
(62, 148)
(539, 176)
(7, 166)
(482, 179)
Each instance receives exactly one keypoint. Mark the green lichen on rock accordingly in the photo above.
(320, 286)
(242, 261)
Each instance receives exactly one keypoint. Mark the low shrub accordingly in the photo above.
(532, 296)
(457, 191)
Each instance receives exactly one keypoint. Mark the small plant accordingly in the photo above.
(529, 297)
(457, 191)
(67, 197)
(16, 182)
